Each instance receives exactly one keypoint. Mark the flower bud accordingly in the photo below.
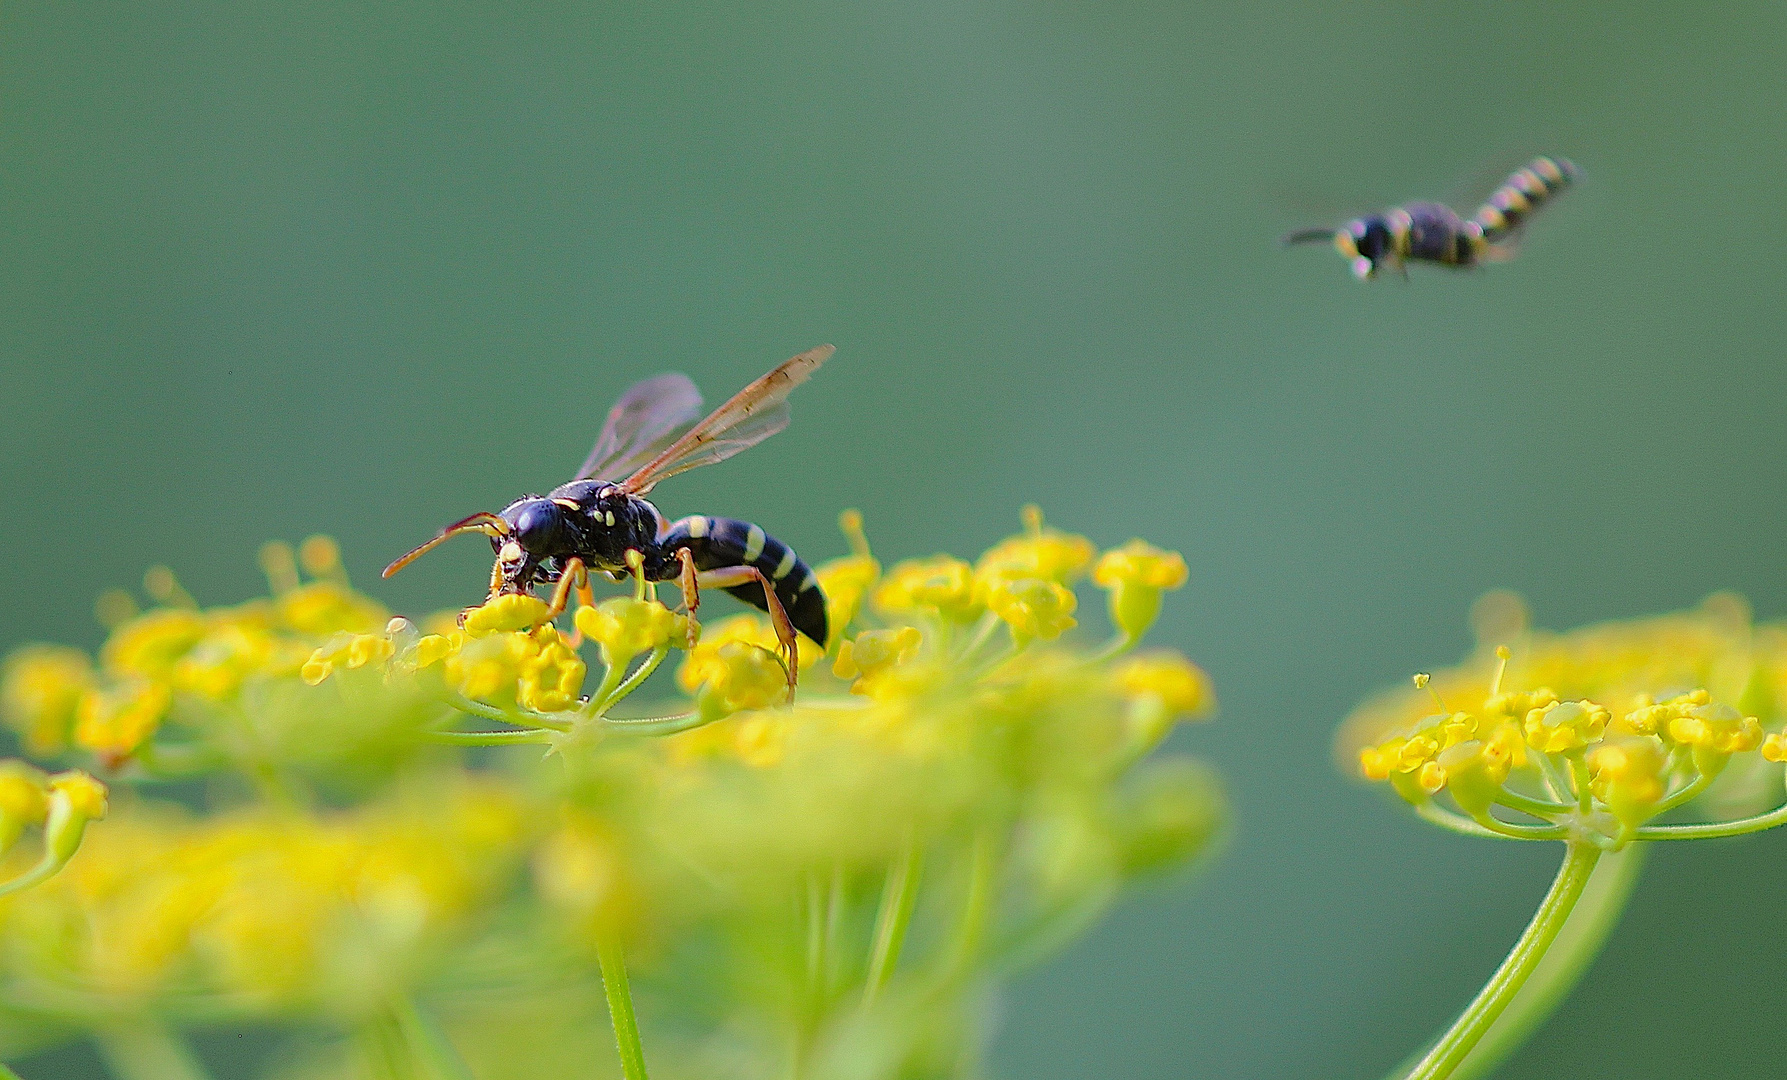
(940, 585)
(506, 612)
(75, 799)
(1565, 725)
(1627, 776)
(1033, 608)
(625, 628)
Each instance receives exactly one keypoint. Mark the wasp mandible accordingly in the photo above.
(1433, 233)
(591, 523)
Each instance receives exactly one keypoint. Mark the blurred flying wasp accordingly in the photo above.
(1433, 233)
(591, 523)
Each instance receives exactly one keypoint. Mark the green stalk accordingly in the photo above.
(620, 1005)
(898, 898)
(490, 738)
(1577, 945)
(6, 1073)
(1470, 1027)
(145, 1050)
(428, 1044)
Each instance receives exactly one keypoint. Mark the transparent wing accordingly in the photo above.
(645, 420)
(753, 415)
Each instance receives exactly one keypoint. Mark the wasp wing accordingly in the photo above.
(753, 415)
(645, 420)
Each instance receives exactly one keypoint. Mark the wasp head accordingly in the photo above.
(536, 531)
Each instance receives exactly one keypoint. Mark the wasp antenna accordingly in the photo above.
(1307, 236)
(486, 523)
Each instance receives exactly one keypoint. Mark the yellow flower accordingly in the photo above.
(1715, 732)
(1628, 777)
(508, 611)
(845, 581)
(40, 688)
(1136, 575)
(875, 651)
(733, 676)
(1180, 687)
(551, 674)
(150, 644)
(624, 628)
(1774, 748)
(1565, 725)
(941, 585)
(114, 722)
(1037, 552)
(1033, 608)
(24, 800)
(349, 651)
(322, 608)
(85, 795)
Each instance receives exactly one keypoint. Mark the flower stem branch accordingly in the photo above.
(490, 738)
(428, 1045)
(1713, 829)
(1470, 1027)
(612, 959)
(898, 898)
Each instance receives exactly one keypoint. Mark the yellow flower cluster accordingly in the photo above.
(177, 658)
(1621, 717)
(264, 909)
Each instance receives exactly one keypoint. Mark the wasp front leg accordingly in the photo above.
(728, 577)
(574, 577)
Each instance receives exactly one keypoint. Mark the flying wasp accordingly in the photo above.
(592, 523)
(1433, 233)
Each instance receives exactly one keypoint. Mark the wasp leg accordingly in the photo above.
(587, 597)
(691, 588)
(496, 580)
(574, 577)
(732, 576)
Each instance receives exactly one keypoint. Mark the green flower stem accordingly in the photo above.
(1521, 832)
(490, 738)
(1539, 808)
(1698, 785)
(427, 1044)
(1431, 811)
(1578, 943)
(145, 1050)
(1471, 1025)
(656, 725)
(898, 898)
(45, 869)
(605, 701)
(6, 1073)
(612, 959)
(1712, 829)
(516, 717)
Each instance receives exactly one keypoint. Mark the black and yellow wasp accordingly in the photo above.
(591, 523)
(1433, 233)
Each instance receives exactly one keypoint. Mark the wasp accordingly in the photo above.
(593, 523)
(1434, 233)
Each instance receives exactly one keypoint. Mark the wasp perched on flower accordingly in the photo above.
(1434, 233)
(592, 522)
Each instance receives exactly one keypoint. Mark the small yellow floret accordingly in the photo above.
(86, 796)
(845, 581)
(942, 584)
(1036, 553)
(1136, 575)
(1627, 776)
(113, 723)
(624, 628)
(733, 676)
(1178, 685)
(1033, 608)
(1565, 725)
(873, 652)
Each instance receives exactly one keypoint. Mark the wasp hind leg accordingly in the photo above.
(727, 577)
(574, 577)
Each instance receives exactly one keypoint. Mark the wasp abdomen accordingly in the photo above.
(1525, 191)
(716, 543)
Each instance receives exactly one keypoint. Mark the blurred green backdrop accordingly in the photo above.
(277, 269)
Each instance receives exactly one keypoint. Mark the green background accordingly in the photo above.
(274, 269)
